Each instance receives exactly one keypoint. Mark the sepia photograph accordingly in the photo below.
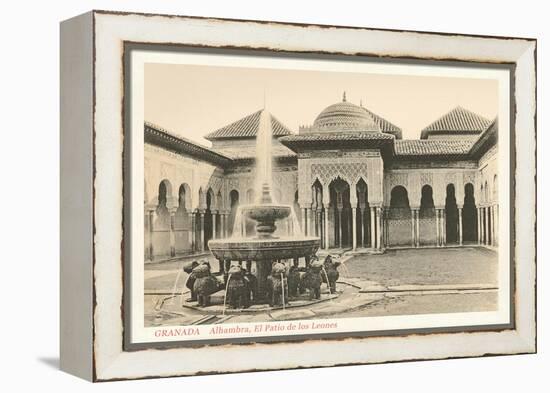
(252, 195)
(292, 196)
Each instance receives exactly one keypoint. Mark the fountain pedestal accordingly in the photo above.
(263, 269)
(263, 252)
(265, 248)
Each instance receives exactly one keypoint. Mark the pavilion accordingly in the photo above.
(350, 176)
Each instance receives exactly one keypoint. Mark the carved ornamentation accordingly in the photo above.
(450, 178)
(233, 184)
(469, 177)
(398, 179)
(327, 172)
(215, 183)
(426, 178)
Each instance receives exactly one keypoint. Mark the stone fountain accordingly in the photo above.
(264, 248)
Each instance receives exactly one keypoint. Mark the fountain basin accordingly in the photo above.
(264, 249)
(266, 215)
(267, 212)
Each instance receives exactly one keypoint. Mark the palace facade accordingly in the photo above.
(352, 179)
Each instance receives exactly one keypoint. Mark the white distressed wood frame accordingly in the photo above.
(91, 195)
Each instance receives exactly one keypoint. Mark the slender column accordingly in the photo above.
(378, 228)
(413, 227)
(493, 225)
(354, 226)
(443, 227)
(360, 227)
(496, 229)
(350, 229)
(365, 213)
(223, 222)
(222, 226)
(460, 226)
(319, 222)
(481, 223)
(485, 229)
(172, 232)
(386, 212)
(490, 219)
(313, 222)
(478, 222)
(304, 221)
(339, 227)
(438, 228)
(489, 226)
(484, 209)
(150, 217)
(417, 227)
(444, 213)
(373, 227)
(310, 230)
(486, 224)
(228, 230)
(326, 227)
(489, 233)
(214, 218)
(201, 246)
(190, 232)
(321, 227)
(193, 231)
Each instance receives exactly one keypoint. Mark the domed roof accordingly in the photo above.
(345, 116)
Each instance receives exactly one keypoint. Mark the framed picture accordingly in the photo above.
(246, 195)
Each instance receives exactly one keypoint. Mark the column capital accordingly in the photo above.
(171, 202)
(150, 207)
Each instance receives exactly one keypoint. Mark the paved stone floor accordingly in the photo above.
(409, 281)
(468, 265)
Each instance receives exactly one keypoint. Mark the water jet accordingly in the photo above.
(264, 247)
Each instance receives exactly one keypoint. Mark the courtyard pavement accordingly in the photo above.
(407, 281)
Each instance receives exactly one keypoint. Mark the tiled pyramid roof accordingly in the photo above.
(244, 152)
(385, 126)
(340, 140)
(486, 140)
(247, 127)
(159, 136)
(433, 147)
(336, 136)
(457, 121)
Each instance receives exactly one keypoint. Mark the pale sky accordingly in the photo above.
(192, 101)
